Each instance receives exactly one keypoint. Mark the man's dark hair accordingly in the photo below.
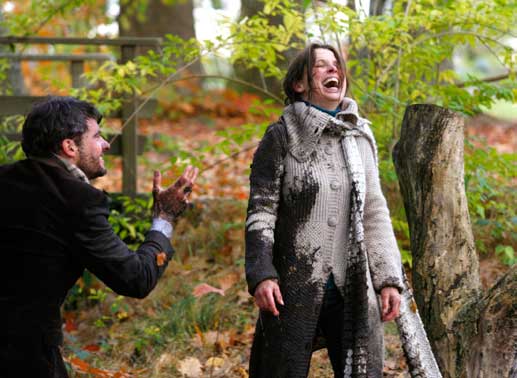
(54, 120)
(303, 64)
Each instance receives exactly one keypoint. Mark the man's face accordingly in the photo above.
(328, 83)
(91, 149)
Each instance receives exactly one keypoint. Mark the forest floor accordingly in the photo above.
(199, 321)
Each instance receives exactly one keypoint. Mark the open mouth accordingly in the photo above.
(331, 82)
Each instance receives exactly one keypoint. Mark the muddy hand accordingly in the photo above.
(171, 202)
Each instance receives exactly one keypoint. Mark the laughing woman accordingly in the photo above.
(321, 257)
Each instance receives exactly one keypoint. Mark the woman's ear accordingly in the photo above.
(69, 149)
(299, 87)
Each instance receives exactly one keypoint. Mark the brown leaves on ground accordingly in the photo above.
(204, 289)
(161, 258)
(190, 367)
(83, 368)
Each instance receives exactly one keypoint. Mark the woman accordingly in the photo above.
(320, 246)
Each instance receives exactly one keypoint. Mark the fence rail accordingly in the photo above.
(129, 144)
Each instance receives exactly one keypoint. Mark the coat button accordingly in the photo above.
(328, 150)
(332, 221)
(334, 185)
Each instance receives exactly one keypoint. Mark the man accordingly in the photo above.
(54, 225)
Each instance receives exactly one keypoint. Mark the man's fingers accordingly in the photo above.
(181, 181)
(185, 182)
(157, 181)
(193, 175)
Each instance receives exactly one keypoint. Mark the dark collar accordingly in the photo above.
(58, 162)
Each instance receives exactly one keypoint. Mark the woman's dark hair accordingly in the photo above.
(54, 120)
(303, 64)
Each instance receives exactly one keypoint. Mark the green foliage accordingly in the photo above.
(131, 218)
(10, 150)
(492, 198)
(4, 68)
(37, 14)
(257, 43)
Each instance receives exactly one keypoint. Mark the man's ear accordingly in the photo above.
(69, 149)
(299, 87)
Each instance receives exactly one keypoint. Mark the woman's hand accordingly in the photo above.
(390, 303)
(265, 295)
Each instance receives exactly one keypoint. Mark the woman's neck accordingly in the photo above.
(324, 110)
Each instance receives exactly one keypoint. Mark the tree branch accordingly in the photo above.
(233, 80)
(489, 79)
(229, 157)
(481, 37)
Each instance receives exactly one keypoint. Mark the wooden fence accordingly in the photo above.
(129, 144)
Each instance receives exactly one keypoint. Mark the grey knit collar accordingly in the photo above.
(73, 169)
(305, 124)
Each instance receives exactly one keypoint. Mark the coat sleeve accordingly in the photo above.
(104, 254)
(265, 186)
(383, 253)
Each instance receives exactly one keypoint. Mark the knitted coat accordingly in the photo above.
(297, 231)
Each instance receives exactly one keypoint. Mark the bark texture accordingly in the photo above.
(490, 349)
(470, 333)
(161, 17)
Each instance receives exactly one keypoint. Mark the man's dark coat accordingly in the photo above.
(52, 227)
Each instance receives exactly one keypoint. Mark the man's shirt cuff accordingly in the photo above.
(163, 226)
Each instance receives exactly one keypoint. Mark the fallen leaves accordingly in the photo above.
(161, 258)
(82, 367)
(218, 341)
(215, 363)
(190, 367)
(163, 362)
(229, 280)
(214, 367)
(226, 282)
(204, 289)
(92, 347)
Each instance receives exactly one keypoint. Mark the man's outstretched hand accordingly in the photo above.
(171, 202)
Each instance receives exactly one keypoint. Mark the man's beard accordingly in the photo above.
(91, 166)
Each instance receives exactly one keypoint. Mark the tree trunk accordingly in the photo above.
(379, 7)
(160, 18)
(429, 163)
(249, 8)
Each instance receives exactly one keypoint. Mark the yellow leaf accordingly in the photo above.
(214, 362)
(161, 258)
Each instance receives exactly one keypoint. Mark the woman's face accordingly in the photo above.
(328, 83)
